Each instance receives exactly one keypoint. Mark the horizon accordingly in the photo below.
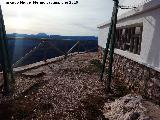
(51, 34)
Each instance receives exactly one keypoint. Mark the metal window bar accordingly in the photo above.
(129, 38)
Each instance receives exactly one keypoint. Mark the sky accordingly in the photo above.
(75, 19)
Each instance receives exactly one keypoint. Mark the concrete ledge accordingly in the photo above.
(131, 56)
(42, 63)
(33, 66)
(37, 64)
(135, 58)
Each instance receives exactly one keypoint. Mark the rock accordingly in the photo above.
(129, 107)
(134, 116)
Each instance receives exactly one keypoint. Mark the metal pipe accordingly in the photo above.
(27, 55)
(6, 65)
(69, 51)
(105, 51)
(113, 39)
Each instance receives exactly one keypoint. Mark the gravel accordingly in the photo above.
(68, 90)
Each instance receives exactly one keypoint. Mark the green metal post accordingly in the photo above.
(105, 51)
(113, 39)
(6, 65)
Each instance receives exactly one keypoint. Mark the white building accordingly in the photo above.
(138, 34)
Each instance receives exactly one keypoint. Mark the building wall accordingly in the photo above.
(150, 50)
(140, 73)
(136, 77)
(102, 37)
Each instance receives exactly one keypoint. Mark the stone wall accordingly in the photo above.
(137, 77)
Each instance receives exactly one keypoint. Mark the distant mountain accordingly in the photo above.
(74, 37)
(39, 35)
(44, 35)
(17, 35)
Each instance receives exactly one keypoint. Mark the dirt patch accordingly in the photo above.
(22, 106)
(153, 110)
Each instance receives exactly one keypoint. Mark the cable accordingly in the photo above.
(126, 7)
(133, 6)
(27, 55)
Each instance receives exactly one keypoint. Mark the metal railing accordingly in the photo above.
(51, 45)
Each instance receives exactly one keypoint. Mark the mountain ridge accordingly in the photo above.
(44, 35)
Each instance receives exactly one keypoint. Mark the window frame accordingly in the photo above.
(131, 41)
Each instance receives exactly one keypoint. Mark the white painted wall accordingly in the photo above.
(150, 46)
(102, 37)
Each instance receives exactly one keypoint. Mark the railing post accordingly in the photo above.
(105, 51)
(6, 65)
(113, 39)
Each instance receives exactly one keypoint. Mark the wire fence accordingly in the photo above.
(47, 49)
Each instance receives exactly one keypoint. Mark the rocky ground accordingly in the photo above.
(66, 90)
(131, 107)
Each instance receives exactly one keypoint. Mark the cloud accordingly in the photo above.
(87, 27)
(80, 19)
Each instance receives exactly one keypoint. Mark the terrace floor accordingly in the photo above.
(69, 89)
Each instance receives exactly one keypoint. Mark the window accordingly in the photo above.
(129, 38)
